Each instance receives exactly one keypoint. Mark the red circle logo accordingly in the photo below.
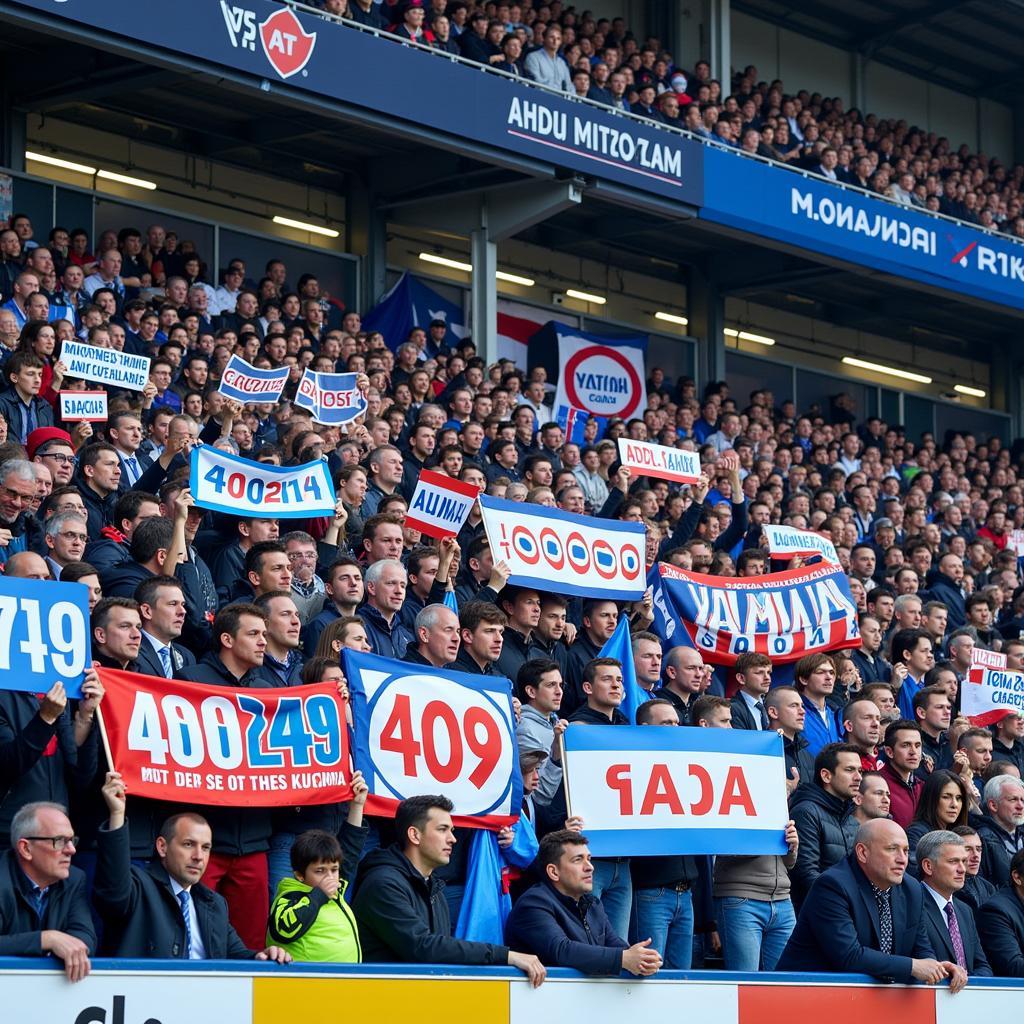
(632, 399)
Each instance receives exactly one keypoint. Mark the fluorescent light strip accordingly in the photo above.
(301, 225)
(966, 389)
(890, 371)
(126, 179)
(671, 318)
(504, 275)
(53, 161)
(443, 261)
(729, 332)
(573, 293)
(760, 339)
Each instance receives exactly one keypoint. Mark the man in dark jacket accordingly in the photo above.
(823, 813)
(99, 476)
(599, 621)
(386, 583)
(400, 906)
(560, 920)
(786, 713)
(238, 865)
(944, 585)
(1001, 924)
(1001, 827)
(842, 926)
(44, 905)
(162, 911)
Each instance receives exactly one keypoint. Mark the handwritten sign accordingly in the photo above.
(105, 365)
(83, 405)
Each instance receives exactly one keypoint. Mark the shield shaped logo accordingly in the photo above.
(287, 46)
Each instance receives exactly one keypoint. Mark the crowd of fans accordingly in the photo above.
(602, 60)
(887, 783)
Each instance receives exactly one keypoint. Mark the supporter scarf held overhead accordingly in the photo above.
(784, 615)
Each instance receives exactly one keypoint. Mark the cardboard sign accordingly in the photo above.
(788, 542)
(440, 505)
(105, 365)
(245, 383)
(90, 406)
(645, 459)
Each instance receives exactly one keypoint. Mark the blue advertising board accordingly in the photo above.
(846, 224)
(279, 45)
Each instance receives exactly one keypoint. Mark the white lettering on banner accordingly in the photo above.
(83, 405)
(788, 542)
(565, 553)
(988, 694)
(847, 217)
(246, 383)
(440, 505)
(227, 483)
(105, 365)
(533, 120)
(660, 461)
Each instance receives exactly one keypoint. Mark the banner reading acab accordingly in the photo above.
(194, 743)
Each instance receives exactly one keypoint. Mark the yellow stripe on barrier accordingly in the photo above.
(384, 1000)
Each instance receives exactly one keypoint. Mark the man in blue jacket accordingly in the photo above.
(564, 925)
(862, 916)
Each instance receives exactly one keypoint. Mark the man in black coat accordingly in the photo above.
(949, 924)
(560, 920)
(1001, 924)
(1001, 827)
(44, 906)
(162, 911)
(400, 906)
(864, 916)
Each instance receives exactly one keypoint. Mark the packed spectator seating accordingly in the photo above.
(875, 747)
(601, 60)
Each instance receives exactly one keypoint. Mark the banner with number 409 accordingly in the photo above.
(44, 635)
(420, 730)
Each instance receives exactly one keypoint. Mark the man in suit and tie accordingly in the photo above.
(862, 916)
(1001, 924)
(124, 429)
(949, 924)
(162, 607)
(162, 911)
(754, 674)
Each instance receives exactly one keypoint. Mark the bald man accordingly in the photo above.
(865, 915)
(27, 565)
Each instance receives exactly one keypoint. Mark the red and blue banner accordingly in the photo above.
(246, 383)
(552, 550)
(332, 398)
(421, 730)
(574, 425)
(988, 695)
(656, 791)
(227, 746)
(784, 615)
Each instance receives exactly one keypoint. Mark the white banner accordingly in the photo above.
(989, 694)
(985, 658)
(105, 365)
(601, 376)
(83, 405)
(658, 460)
(549, 549)
(789, 542)
(440, 505)
(332, 398)
(227, 483)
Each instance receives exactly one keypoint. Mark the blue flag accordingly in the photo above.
(451, 601)
(574, 422)
(620, 647)
(411, 303)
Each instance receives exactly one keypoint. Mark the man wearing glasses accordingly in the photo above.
(44, 908)
(52, 448)
(66, 536)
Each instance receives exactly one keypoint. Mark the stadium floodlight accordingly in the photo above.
(671, 318)
(443, 261)
(891, 371)
(301, 225)
(759, 339)
(966, 389)
(54, 161)
(126, 179)
(575, 293)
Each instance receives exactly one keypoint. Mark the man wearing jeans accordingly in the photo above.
(663, 886)
(604, 692)
(756, 915)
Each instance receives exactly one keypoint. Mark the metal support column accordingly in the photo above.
(719, 41)
(706, 309)
(858, 67)
(13, 128)
(366, 236)
(484, 312)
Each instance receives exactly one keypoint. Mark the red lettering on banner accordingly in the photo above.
(489, 751)
(661, 790)
(737, 793)
(397, 737)
(617, 778)
(707, 794)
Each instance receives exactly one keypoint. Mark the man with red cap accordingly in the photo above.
(52, 447)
